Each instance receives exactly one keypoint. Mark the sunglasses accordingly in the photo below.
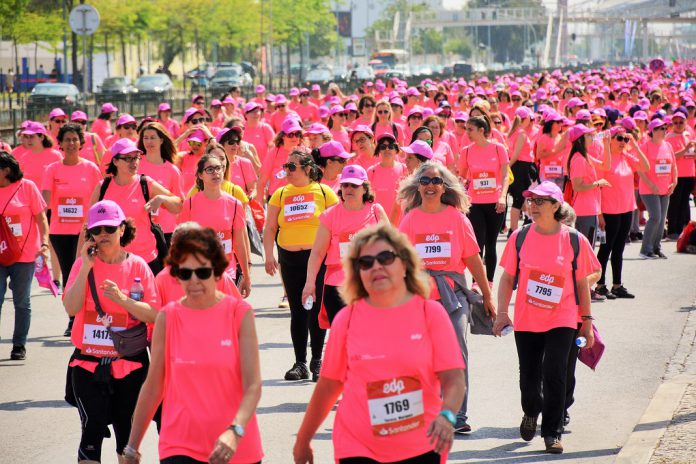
(129, 126)
(497, 121)
(425, 180)
(341, 115)
(621, 138)
(129, 159)
(368, 106)
(294, 135)
(415, 117)
(361, 140)
(280, 106)
(352, 186)
(661, 128)
(382, 112)
(384, 258)
(83, 123)
(94, 231)
(290, 167)
(538, 201)
(184, 273)
(60, 121)
(212, 169)
(338, 159)
(516, 99)
(388, 146)
(199, 102)
(197, 121)
(232, 141)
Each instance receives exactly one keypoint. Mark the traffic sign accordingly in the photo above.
(84, 20)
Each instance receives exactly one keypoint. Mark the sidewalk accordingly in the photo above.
(666, 434)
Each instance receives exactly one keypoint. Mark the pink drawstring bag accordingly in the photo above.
(44, 278)
(591, 356)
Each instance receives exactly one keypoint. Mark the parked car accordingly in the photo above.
(395, 73)
(153, 87)
(341, 75)
(228, 77)
(321, 76)
(403, 69)
(462, 69)
(48, 95)
(116, 88)
(362, 73)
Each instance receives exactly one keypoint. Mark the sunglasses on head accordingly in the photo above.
(384, 258)
(538, 201)
(338, 159)
(184, 273)
(94, 231)
(197, 121)
(425, 180)
(290, 167)
(129, 159)
(294, 135)
(129, 126)
(212, 169)
(388, 146)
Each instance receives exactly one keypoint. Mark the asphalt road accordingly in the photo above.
(37, 426)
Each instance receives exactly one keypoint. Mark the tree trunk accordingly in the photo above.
(90, 63)
(73, 58)
(288, 70)
(36, 57)
(106, 50)
(123, 53)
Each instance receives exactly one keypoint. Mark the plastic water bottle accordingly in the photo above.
(309, 302)
(39, 264)
(507, 330)
(137, 290)
(281, 174)
(581, 342)
(602, 236)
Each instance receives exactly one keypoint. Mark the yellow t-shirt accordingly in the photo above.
(227, 187)
(300, 207)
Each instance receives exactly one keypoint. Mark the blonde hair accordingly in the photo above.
(454, 194)
(417, 281)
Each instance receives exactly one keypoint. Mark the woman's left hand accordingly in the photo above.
(586, 331)
(225, 447)
(245, 286)
(489, 306)
(500, 205)
(112, 292)
(602, 222)
(153, 205)
(441, 433)
(671, 188)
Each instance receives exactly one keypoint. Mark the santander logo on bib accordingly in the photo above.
(395, 386)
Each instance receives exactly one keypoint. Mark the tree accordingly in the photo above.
(458, 46)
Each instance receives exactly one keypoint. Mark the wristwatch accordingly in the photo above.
(237, 429)
(449, 415)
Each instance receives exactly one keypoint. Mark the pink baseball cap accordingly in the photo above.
(396, 101)
(578, 131)
(460, 116)
(523, 112)
(583, 115)
(640, 116)
(412, 92)
(280, 99)
(294, 92)
(290, 125)
(125, 118)
(105, 213)
(33, 127)
(260, 88)
(333, 148)
(552, 116)
(655, 123)
(251, 106)
(123, 147)
(270, 98)
(317, 128)
(678, 114)
(78, 116)
(337, 109)
(351, 106)
(304, 91)
(362, 128)
(545, 189)
(197, 97)
(221, 134)
(353, 174)
(164, 107)
(196, 136)
(188, 114)
(575, 101)
(323, 112)
(419, 147)
(215, 102)
(617, 130)
(56, 113)
(316, 87)
(415, 110)
(108, 108)
(228, 100)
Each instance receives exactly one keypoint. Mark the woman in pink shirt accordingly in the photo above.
(331, 158)
(441, 149)
(205, 366)
(551, 147)
(436, 224)
(366, 110)
(158, 164)
(521, 161)
(93, 149)
(484, 164)
(391, 346)
(386, 175)
(551, 296)
(39, 152)
(241, 167)
(102, 125)
(363, 142)
(164, 114)
(684, 146)
(273, 175)
(337, 126)
(383, 123)
(655, 187)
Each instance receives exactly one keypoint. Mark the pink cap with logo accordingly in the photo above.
(316, 128)
(523, 112)
(260, 88)
(78, 116)
(280, 99)
(460, 116)
(290, 125)
(545, 189)
(552, 116)
(323, 112)
(575, 101)
(56, 113)
(108, 108)
(419, 147)
(123, 147)
(125, 118)
(316, 87)
(655, 123)
(294, 92)
(583, 115)
(333, 148)
(215, 102)
(353, 174)
(105, 213)
(251, 106)
(164, 107)
(578, 131)
(197, 136)
(189, 113)
(33, 127)
(362, 128)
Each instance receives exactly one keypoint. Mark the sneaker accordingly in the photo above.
(604, 291)
(553, 445)
(57, 284)
(596, 296)
(566, 419)
(298, 372)
(660, 254)
(315, 368)
(528, 427)
(461, 427)
(284, 302)
(621, 292)
(68, 331)
(647, 256)
(672, 237)
(19, 353)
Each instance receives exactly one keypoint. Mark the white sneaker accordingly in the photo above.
(284, 302)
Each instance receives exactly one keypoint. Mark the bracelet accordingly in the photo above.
(130, 452)
(44, 245)
(587, 318)
(449, 415)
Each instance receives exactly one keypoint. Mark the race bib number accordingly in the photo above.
(225, 238)
(484, 182)
(396, 405)
(544, 290)
(553, 170)
(434, 249)
(299, 207)
(344, 240)
(70, 210)
(15, 225)
(96, 339)
(663, 167)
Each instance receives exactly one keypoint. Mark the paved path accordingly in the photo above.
(36, 425)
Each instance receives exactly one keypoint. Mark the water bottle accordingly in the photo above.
(39, 264)
(507, 330)
(581, 342)
(137, 290)
(602, 236)
(281, 174)
(309, 302)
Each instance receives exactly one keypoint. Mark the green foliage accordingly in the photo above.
(459, 46)
(427, 41)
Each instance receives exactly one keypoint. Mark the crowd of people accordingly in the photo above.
(370, 207)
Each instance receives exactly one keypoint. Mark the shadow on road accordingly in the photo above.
(497, 454)
(272, 346)
(26, 404)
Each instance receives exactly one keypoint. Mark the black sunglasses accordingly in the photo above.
(183, 273)
(349, 185)
(232, 141)
(197, 121)
(290, 167)
(368, 106)
(621, 138)
(539, 201)
(94, 231)
(388, 146)
(129, 159)
(382, 112)
(384, 258)
(338, 159)
(425, 180)
(129, 126)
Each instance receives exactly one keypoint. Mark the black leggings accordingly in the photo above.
(102, 403)
(522, 170)
(428, 458)
(183, 460)
(65, 247)
(678, 211)
(332, 302)
(617, 228)
(487, 223)
(293, 270)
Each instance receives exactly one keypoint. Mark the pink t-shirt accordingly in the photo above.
(442, 152)
(552, 166)
(242, 173)
(686, 164)
(381, 129)
(71, 188)
(308, 113)
(620, 197)
(169, 177)
(343, 224)
(34, 165)
(525, 153)
(93, 150)
(545, 297)
(587, 202)
(661, 159)
(228, 214)
(19, 151)
(131, 200)
(397, 350)
(272, 168)
(188, 164)
(173, 127)
(102, 128)
(385, 183)
(483, 166)
(342, 137)
(260, 137)
(203, 385)
(19, 211)
(168, 288)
